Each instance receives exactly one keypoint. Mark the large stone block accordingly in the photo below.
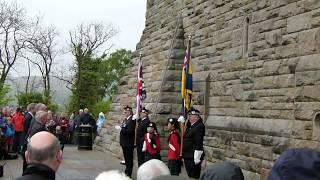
(309, 94)
(308, 63)
(276, 127)
(308, 42)
(299, 22)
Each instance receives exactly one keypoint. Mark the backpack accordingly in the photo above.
(9, 132)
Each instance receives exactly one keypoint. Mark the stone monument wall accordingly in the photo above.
(256, 76)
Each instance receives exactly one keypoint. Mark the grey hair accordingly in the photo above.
(152, 169)
(39, 155)
(41, 107)
(113, 174)
(40, 115)
(31, 106)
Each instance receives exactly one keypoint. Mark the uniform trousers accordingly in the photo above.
(140, 155)
(193, 170)
(128, 158)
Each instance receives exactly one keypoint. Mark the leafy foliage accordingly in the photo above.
(97, 77)
(35, 97)
(26, 98)
(101, 106)
(4, 98)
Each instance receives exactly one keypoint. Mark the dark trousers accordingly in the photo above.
(193, 170)
(140, 155)
(16, 142)
(24, 149)
(128, 158)
(70, 139)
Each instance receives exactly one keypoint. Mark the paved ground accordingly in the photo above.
(80, 165)
(76, 165)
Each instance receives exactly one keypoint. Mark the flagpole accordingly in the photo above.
(138, 105)
(183, 125)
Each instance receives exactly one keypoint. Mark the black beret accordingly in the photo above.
(127, 108)
(152, 124)
(144, 110)
(193, 111)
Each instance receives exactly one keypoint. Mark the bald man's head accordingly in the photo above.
(44, 148)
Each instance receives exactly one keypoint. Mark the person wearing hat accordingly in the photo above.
(127, 135)
(174, 141)
(192, 150)
(151, 144)
(141, 131)
(296, 164)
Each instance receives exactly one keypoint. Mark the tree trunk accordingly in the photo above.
(28, 78)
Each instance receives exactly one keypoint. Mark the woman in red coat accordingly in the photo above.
(174, 163)
(151, 144)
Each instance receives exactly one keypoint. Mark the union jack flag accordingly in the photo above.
(141, 92)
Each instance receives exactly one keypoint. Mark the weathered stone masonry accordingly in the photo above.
(262, 58)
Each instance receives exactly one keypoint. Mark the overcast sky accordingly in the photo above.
(127, 15)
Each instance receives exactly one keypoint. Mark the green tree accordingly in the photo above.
(97, 78)
(4, 98)
(35, 97)
(113, 69)
(26, 98)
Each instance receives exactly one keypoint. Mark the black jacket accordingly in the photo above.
(222, 171)
(36, 127)
(142, 130)
(88, 119)
(193, 139)
(127, 133)
(26, 125)
(36, 171)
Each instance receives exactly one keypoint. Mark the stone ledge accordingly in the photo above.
(274, 127)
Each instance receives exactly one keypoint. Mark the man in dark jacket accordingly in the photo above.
(28, 116)
(192, 150)
(37, 124)
(141, 131)
(87, 118)
(127, 136)
(222, 171)
(43, 156)
(296, 164)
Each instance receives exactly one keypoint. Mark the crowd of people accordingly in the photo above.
(18, 127)
(42, 149)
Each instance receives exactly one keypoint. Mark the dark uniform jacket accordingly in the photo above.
(127, 133)
(36, 171)
(142, 130)
(193, 140)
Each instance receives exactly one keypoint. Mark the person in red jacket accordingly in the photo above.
(174, 141)
(151, 144)
(17, 122)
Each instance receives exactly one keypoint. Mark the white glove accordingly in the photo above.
(154, 146)
(118, 128)
(181, 119)
(144, 147)
(135, 117)
(172, 147)
(197, 155)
